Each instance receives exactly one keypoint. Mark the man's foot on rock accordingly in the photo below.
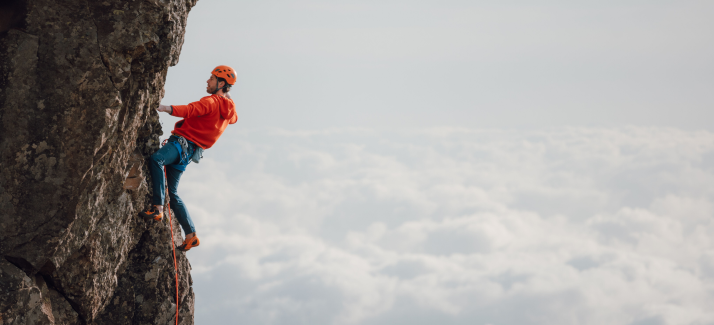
(189, 243)
(152, 213)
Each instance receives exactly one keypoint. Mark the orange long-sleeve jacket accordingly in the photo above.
(205, 120)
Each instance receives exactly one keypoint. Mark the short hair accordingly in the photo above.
(226, 88)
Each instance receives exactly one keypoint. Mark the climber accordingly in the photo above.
(203, 123)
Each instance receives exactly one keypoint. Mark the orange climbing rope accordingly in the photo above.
(173, 245)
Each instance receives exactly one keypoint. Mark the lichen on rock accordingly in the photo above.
(79, 84)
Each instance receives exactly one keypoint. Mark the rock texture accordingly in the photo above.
(79, 82)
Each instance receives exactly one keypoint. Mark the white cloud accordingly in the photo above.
(454, 226)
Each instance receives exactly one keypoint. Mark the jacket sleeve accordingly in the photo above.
(199, 108)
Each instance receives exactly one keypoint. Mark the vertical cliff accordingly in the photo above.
(79, 82)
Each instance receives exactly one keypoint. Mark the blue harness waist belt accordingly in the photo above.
(185, 148)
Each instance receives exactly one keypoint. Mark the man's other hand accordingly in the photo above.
(164, 108)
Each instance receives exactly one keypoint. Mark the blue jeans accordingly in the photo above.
(167, 156)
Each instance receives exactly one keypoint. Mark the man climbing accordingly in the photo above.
(203, 123)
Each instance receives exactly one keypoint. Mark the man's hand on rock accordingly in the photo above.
(164, 108)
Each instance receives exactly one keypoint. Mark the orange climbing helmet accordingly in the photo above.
(225, 72)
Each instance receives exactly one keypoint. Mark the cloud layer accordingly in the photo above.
(454, 226)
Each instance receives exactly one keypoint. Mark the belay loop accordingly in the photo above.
(173, 245)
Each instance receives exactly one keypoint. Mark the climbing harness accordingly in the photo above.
(173, 245)
(183, 145)
(184, 148)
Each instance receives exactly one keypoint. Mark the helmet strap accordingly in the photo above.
(217, 89)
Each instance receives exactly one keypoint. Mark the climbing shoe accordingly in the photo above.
(152, 213)
(189, 243)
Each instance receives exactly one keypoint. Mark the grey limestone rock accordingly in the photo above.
(79, 84)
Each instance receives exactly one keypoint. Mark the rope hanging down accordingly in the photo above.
(173, 245)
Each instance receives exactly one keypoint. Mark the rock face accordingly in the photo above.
(79, 84)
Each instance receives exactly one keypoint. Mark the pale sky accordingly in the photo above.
(386, 63)
(454, 162)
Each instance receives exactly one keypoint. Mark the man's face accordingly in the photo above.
(211, 87)
(211, 84)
